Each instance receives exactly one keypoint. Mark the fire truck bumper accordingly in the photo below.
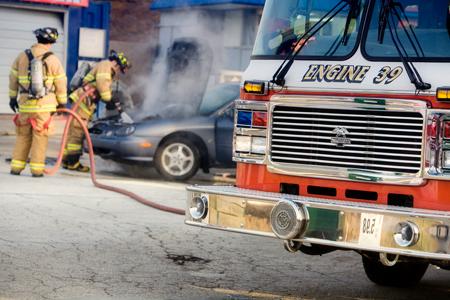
(340, 224)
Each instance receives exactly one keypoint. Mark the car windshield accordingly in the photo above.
(217, 97)
(430, 21)
(283, 22)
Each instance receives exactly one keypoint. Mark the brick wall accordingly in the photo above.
(134, 30)
(132, 20)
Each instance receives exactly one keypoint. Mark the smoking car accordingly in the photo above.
(177, 141)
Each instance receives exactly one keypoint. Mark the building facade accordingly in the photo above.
(229, 27)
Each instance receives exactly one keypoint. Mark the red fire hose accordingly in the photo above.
(132, 195)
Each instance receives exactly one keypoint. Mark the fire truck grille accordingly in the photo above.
(370, 140)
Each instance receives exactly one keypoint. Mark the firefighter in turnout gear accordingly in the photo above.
(100, 79)
(37, 86)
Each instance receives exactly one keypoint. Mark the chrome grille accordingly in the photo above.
(370, 140)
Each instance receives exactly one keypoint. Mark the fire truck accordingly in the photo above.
(342, 135)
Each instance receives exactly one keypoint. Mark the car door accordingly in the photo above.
(224, 126)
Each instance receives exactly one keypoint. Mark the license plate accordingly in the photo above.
(370, 230)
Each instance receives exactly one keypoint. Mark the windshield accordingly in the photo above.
(283, 22)
(217, 97)
(430, 22)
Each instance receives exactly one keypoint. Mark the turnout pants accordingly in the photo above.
(32, 131)
(74, 146)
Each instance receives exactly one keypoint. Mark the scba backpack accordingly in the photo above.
(37, 69)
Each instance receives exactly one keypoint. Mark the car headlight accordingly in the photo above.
(124, 130)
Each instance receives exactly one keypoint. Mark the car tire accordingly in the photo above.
(177, 159)
(402, 274)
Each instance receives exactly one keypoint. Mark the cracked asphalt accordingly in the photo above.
(61, 238)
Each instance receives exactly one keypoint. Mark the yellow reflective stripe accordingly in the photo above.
(12, 93)
(61, 76)
(24, 79)
(73, 147)
(74, 97)
(62, 98)
(85, 109)
(37, 166)
(13, 72)
(104, 75)
(89, 77)
(106, 95)
(49, 82)
(18, 163)
(37, 108)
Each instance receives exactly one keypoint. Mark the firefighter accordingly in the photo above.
(37, 86)
(100, 79)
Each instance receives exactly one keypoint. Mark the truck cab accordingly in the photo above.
(342, 135)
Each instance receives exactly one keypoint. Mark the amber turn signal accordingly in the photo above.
(255, 87)
(443, 93)
(145, 145)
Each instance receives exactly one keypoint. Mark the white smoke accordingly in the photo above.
(167, 93)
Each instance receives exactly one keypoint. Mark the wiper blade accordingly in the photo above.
(388, 7)
(344, 35)
(352, 14)
(278, 77)
(413, 33)
(382, 20)
(386, 18)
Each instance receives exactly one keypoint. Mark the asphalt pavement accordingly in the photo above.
(62, 238)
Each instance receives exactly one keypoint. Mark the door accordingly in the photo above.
(16, 33)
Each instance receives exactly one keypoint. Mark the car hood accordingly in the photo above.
(150, 126)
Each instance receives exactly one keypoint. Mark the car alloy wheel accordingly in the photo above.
(177, 159)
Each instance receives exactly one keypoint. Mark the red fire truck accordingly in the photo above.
(342, 135)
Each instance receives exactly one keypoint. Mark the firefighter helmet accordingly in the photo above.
(46, 35)
(121, 60)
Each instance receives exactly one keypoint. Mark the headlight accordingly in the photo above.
(124, 130)
(446, 159)
(258, 145)
(199, 208)
(243, 143)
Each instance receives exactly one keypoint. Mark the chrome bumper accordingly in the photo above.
(329, 222)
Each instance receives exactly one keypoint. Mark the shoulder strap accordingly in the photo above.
(29, 54)
(30, 58)
(46, 55)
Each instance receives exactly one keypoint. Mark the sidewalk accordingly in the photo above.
(7, 126)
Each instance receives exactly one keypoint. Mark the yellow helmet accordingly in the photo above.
(121, 60)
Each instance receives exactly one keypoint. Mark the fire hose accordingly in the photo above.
(74, 115)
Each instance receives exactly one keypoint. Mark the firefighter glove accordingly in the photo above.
(13, 104)
(118, 106)
(110, 105)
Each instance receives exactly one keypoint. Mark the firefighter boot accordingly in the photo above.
(73, 164)
(14, 172)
